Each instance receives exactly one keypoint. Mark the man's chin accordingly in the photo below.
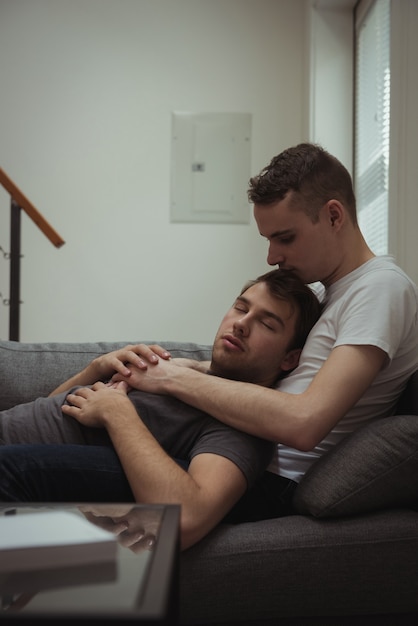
(230, 373)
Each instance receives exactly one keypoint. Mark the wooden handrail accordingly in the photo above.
(30, 210)
(18, 203)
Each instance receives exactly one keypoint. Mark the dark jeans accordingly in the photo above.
(62, 473)
(83, 473)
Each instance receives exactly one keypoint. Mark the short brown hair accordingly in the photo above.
(312, 173)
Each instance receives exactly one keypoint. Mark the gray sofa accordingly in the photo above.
(350, 554)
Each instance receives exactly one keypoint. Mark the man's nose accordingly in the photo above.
(274, 256)
(241, 326)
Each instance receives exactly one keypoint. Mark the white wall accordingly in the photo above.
(331, 77)
(87, 91)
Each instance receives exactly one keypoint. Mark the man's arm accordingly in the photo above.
(148, 352)
(297, 420)
(212, 485)
(199, 366)
(104, 366)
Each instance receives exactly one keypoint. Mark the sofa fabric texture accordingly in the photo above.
(352, 547)
(377, 468)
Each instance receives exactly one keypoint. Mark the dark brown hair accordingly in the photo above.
(285, 285)
(314, 175)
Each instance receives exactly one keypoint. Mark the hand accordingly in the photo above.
(119, 385)
(136, 528)
(93, 406)
(139, 355)
(152, 380)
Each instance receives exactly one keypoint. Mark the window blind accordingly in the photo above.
(372, 121)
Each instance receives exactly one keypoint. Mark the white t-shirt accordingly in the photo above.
(376, 304)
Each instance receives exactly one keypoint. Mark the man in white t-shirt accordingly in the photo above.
(357, 359)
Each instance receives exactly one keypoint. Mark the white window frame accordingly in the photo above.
(372, 121)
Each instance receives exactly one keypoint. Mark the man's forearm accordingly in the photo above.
(255, 409)
(206, 492)
(199, 366)
(299, 420)
(149, 470)
(245, 406)
(155, 477)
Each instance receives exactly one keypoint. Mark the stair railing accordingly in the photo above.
(18, 202)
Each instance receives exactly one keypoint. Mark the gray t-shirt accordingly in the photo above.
(181, 430)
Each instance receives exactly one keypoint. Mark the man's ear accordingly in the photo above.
(291, 360)
(335, 213)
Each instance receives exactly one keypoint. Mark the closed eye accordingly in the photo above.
(283, 236)
(287, 240)
(241, 304)
(269, 325)
(238, 306)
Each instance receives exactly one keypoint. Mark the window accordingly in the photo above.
(372, 120)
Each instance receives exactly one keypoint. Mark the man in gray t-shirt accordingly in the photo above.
(259, 340)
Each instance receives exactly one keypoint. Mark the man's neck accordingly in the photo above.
(357, 253)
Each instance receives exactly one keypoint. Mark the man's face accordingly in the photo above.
(295, 242)
(253, 338)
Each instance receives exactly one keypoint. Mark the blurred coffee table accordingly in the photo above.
(140, 583)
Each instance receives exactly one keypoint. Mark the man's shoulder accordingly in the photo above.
(385, 265)
(380, 273)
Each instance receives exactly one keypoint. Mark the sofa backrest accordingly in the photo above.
(31, 370)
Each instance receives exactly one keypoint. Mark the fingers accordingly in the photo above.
(69, 410)
(137, 539)
(107, 523)
(139, 356)
(86, 391)
(148, 355)
(120, 361)
(122, 385)
(77, 398)
(160, 351)
(138, 542)
(106, 510)
(74, 400)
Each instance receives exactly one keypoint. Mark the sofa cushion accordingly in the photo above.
(302, 566)
(32, 370)
(375, 467)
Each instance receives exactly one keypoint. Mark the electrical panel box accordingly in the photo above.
(210, 167)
